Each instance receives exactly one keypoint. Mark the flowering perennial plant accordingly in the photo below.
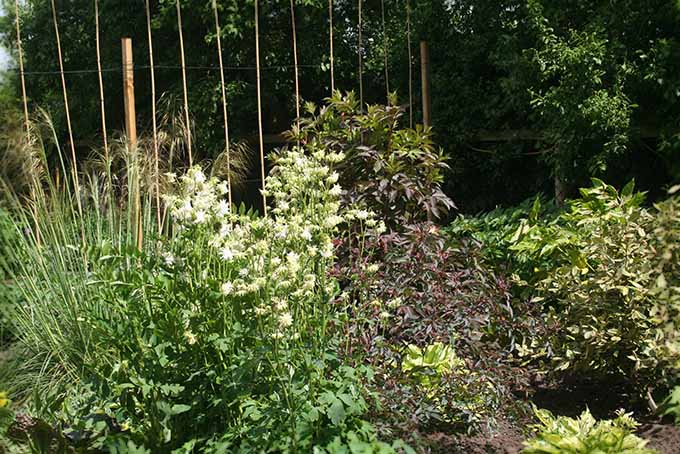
(221, 340)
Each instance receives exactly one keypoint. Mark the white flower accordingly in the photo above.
(309, 282)
(373, 268)
(381, 228)
(223, 188)
(335, 191)
(169, 259)
(201, 217)
(222, 208)
(227, 288)
(191, 337)
(332, 220)
(171, 176)
(226, 254)
(285, 320)
(199, 176)
(260, 310)
(280, 304)
(282, 232)
(332, 178)
(384, 315)
(395, 303)
(327, 251)
(306, 234)
(283, 205)
(244, 272)
(362, 214)
(293, 258)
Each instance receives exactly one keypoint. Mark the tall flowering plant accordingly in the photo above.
(222, 339)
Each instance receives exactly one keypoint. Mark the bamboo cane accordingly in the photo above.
(330, 34)
(410, 64)
(259, 105)
(21, 68)
(101, 82)
(361, 63)
(153, 119)
(385, 44)
(184, 82)
(67, 110)
(224, 100)
(295, 62)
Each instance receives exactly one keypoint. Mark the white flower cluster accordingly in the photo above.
(277, 265)
(200, 201)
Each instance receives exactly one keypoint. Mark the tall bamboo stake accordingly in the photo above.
(410, 64)
(361, 63)
(21, 68)
(330, 33)
(101, 83)
(224, 99)
(385, 44)
(425, 81)
(295, 62)
(68, 116)
(26, 121)
(259, 104)
(153, 118)
(184, 82)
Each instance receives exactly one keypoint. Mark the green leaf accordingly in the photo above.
(336, 412)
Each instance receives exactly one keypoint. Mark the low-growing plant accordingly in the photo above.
(499, 229)
(428, 365)
(585, 435)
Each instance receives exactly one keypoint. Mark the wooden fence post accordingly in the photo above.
(425, 81)
(129, 92)
(131, 130)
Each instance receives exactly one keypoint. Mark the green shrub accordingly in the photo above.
(394, 171)
(665, 241)
(597, 287)
(585, 435)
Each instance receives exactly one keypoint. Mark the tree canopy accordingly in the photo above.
(527, 95)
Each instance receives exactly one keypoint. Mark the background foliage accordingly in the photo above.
(524, 91)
